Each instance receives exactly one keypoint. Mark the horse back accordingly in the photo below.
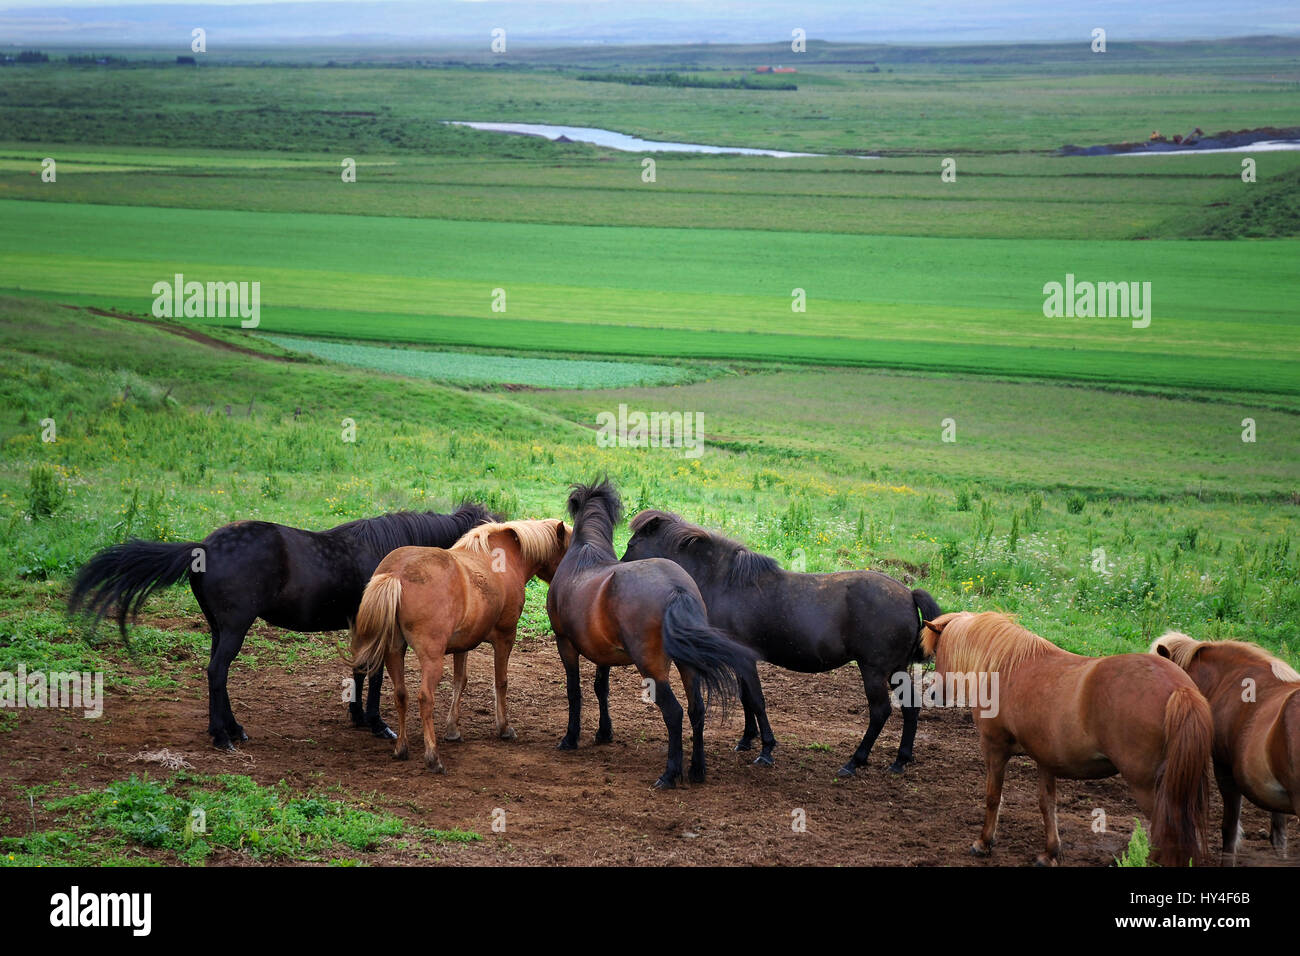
(817, 622)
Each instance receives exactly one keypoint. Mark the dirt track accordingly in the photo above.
(595, 805)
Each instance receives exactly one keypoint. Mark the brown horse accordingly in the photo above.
(1255, 700)
(645, 613)
(1082, 718)
(452, 600)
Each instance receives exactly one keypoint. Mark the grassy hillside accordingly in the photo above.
(1007, 516)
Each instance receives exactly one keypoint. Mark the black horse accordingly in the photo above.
(802, 622)
(645, 613)
(295, 579)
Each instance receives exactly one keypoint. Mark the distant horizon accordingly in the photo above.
(246, 24)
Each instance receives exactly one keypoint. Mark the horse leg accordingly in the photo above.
(372, 718)
(569, 657)
(221, 719)
(1277, 833)
(672, 712)
(995, 763)
(605, 731)
(694, 710)
(459, 678)
(503, 644)
(878, 702)
(911, 716)
(355, 710)
(430, 675)
(751, 698)
(395, 662)
(1047, 804)
(1231, 815)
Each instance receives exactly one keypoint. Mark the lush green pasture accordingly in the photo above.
(1006, 196)
(1223, 313)
(831, 469)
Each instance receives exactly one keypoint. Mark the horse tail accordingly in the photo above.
(928, 608)
(124, 575)
(375, 631)
(689, 639)
(1178, 821)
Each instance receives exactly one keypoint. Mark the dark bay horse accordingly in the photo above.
(1080, 718)
(295, 579)
(802, 622)
(645, 613)
(1255, 700)
(442, 601)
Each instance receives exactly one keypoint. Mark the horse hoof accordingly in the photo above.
(764, 760)
(508, 733)
(384, 733)
(979, 849)
(604, 736)
(697, 776)
(566, 744)
(453, 735)
(434, 765)
(743, 745)
(666, 783)
(898, 766)
(402, 755)
(237, 733)
(223, 744)
(848, 770)
(1044, 860)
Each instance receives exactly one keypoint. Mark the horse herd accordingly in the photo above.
(682, 596)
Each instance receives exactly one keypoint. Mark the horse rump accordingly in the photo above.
(1178, 820)
(124, 575)
(689, 639)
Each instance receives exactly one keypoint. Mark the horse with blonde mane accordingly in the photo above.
(452, 600)
(1255, 701)
(1083, 718)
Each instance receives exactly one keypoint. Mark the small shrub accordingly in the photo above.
(1138, 851)
(46, 491)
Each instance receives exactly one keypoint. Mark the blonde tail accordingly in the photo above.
(375, 631)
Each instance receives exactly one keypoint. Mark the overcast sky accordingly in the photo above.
(644, 21)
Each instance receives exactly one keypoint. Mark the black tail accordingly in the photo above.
(928, 608)
(688, 639)
(124, 575)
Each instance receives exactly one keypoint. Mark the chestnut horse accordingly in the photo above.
(452, 600)
(1083, 718)
(645, 613)
(1255, 700)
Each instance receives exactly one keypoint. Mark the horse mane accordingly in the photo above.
(537, 539)
(596, 509)
(420, 528)
(986, 642)
(1182, 649)
(742, 564)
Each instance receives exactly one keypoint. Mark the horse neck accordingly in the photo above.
(1221, 674)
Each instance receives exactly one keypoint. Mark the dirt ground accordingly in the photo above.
(595, 805)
